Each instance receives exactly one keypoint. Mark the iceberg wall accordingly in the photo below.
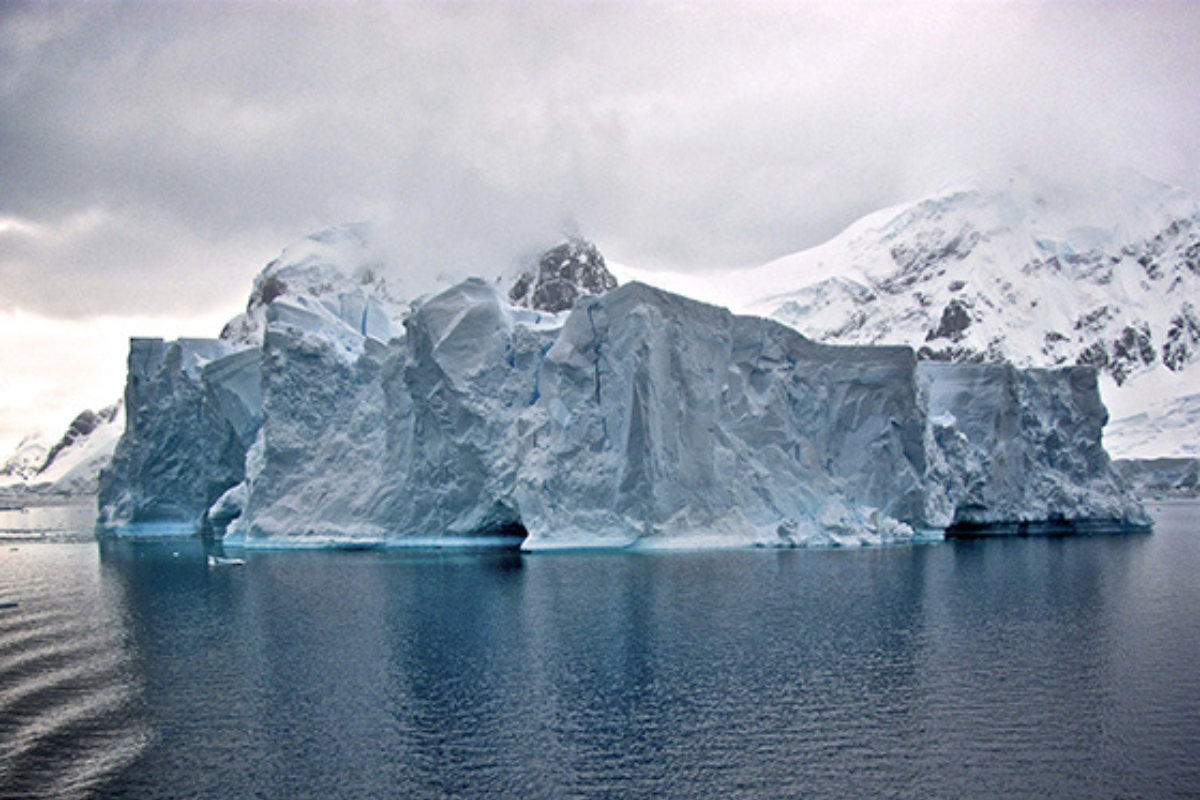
(192, 409)
(659, 418)
(1018, 446)
(414, 441)
(638, 417)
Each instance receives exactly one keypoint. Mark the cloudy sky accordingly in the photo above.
(154, 156)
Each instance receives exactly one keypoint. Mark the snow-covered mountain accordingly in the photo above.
(24, 462)
(338, 273)
(1161, 478)
(1026, 272)
(67, 468)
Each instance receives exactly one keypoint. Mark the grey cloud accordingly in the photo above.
(203, 138)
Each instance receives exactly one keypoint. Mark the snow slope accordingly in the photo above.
(39, 472)
(24, 462)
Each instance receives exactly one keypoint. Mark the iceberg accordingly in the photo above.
(633, 418)
(663, 419)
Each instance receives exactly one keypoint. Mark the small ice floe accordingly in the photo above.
(224, 561)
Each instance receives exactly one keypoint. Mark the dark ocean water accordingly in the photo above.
(1065, 667)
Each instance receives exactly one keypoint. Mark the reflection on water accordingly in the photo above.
(71, 711)
(56, 522)
(1019, 667)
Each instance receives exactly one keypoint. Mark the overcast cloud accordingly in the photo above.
(154, 156)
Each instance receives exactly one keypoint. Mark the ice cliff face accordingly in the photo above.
(1020, 446)
(414, 439)
(638, 417)
(192, 407)
(662, 419)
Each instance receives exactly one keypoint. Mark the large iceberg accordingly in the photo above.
(638, 417)
(657, 419)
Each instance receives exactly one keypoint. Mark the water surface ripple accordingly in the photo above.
(988, 668)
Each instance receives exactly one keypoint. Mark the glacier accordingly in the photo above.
(331, 416)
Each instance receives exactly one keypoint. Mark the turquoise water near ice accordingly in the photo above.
(1016, 667)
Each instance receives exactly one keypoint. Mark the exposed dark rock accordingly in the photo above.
(954, 323)
(1134, 345)
(1094, 320)
(1183, 339)
(561, 276)
(1095, 355)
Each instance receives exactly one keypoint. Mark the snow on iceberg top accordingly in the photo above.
(336, 275)
(339, 284)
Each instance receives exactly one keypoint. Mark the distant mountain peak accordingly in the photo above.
(83, 426)
(26, 460)
(562, 275)
(38, 472)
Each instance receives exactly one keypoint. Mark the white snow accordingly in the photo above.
(52, 472)
(336, 276)
(75, 469)
(1166, 426)
(25, 460)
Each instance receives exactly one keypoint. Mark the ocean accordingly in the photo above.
(1015, 667)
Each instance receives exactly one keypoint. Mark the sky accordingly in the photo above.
(155, 156)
